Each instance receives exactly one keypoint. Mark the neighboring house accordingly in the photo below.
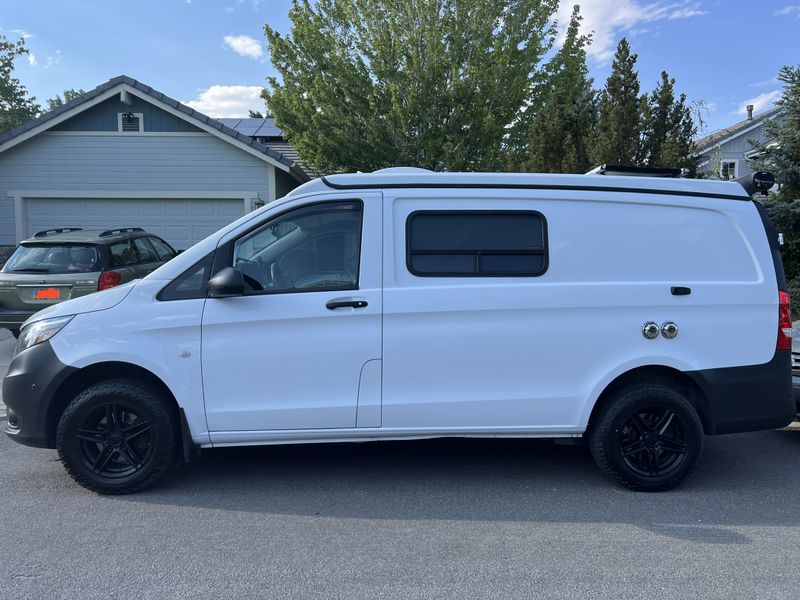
(125, 155)
(726, 151)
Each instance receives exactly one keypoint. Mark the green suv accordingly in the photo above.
(59, 264)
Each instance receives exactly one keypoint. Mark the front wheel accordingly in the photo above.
(647, 438)
(118, 437)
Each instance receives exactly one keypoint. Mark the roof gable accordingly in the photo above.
(739, 129)
(104, 117)
(137, 90)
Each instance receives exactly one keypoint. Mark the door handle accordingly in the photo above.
(346, 303)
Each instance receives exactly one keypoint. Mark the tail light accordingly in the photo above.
(109, 279)
(784, 321)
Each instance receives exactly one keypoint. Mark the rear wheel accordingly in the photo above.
(647, 437)
(117, 437)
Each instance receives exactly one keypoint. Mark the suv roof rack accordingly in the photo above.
(47, 232)
(109, 232)
(638, 171)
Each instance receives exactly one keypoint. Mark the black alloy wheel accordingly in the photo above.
(647, 437)
(115, 440)
(119, 436)
(652, 442)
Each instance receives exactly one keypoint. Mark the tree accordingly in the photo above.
(69, 95)
(366, 84)
(668, 129)
(781, 153)
(16, 106)
(559, 123)
(617, 137)
(255, 114)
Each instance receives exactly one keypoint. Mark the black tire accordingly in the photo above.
(118, 437)
(647, 438)
(15, 333)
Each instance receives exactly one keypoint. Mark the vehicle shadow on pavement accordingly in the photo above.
(742, 480)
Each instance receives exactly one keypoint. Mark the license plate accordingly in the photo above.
(46, 294)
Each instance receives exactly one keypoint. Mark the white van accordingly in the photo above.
(638, 313)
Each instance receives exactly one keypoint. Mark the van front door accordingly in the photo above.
(290, 352)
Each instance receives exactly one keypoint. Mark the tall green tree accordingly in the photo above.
(16, 106)
(69, 95)
(668, 128)
(561, 117)
(617, 136)
(781, 153)
(366, 84)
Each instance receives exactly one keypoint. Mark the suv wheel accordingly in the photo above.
(647, 438)
(117, 437)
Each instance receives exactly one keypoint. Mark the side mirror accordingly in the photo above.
(227, 283)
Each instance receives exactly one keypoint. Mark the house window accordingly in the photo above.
(476, 244)
(130, 122)
(729, 169)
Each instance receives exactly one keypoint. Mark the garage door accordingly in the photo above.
(182, 222)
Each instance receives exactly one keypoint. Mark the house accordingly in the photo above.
(725, 152)
(126, 155)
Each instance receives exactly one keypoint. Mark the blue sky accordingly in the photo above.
(212, 53)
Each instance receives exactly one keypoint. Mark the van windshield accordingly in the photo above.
(53, 258)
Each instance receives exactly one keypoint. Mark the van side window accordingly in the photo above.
(476, 243)
(309, 249)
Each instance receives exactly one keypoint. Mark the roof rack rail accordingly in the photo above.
(638, 171)
(47, 232)
(109, 232)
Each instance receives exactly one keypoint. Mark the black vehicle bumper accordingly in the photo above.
(752, 398)
(28, 389)
(796, 387)
(13, 319)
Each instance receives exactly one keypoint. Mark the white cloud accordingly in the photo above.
(23, 34)
(607, 19)
(32, 59)
(244, 45)
(760, 102)
(788, 11)
(228, 100)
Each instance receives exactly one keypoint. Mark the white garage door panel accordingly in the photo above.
(182, 222)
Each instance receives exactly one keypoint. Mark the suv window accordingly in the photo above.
(308, 249)
(162, 248)
(145, 252)
(123, 254)
(53, 258)
(476, 243)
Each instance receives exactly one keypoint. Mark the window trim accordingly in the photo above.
(224, 255)
(138, 115)
(544, 252)
(725, 161)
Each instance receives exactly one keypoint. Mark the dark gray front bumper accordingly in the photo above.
(29, 387)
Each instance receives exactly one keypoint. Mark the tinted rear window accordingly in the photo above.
(53, 258)
(477, 243)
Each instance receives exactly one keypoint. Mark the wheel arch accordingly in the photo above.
(95, 373)
(668, 376)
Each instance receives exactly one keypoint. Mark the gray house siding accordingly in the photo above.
(103, 117)
(736, 148)
(64, 161)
